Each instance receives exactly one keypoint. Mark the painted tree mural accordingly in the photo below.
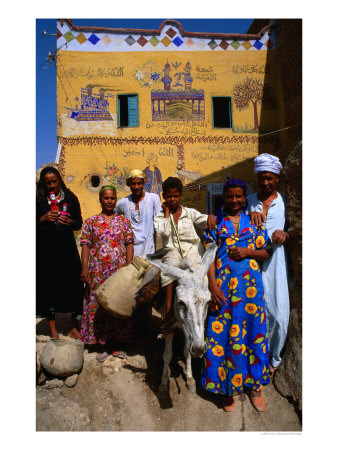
(253, 91)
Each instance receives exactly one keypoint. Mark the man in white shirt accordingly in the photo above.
(140, 208)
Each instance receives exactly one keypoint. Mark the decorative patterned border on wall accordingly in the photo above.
(169, 37)
(179, 141)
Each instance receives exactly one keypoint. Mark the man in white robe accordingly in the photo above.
(271, 205)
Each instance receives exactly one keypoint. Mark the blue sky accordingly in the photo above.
(46, 143)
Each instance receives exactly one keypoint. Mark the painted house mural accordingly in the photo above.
(167, 102)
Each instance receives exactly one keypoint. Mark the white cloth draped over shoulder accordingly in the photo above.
(275, 279)
(141, 221)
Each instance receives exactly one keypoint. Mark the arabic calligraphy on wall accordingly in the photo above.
(89, 72)
(205, 74)
(179, 127)
(252, 68)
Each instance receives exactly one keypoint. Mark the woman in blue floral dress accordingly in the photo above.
(236, 337)
(107, 245)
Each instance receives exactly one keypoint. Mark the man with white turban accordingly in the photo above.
(140, 208)
(268, 205)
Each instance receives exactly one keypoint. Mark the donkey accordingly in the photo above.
(190, 308)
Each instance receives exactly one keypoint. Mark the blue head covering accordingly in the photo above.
(233, 182)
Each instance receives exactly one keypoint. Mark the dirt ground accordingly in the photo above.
(120, 395)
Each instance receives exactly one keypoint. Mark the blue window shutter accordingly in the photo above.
(118, 110)
(230, 117)
(132, 111)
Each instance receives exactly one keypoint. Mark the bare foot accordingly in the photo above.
(272, 369)
(228, 403)
(74, 333)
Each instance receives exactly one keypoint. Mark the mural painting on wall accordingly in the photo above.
(184, 103)
(253, 91)
(115, 176)
(148, 74)
(153, 179)
(93, 106)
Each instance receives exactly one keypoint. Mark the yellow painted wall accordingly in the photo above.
(101, 148)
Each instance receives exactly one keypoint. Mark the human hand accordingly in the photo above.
(257, 218)
(212, 222)
(50, 216)
(166, 210)
(65, 220)
(238, 253)
(279, 237)
(217, 295)
(85, 275)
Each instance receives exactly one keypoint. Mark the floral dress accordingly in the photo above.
(107, 242)
(236, 336)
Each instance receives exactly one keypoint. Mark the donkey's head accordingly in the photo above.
(192, 298)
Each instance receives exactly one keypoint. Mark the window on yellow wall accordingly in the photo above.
(221, 112)
(127, 110)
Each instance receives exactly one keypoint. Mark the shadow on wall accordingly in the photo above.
(287, 145)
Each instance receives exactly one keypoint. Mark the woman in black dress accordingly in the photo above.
(58, 265)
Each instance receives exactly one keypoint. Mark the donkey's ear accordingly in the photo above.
(172, 271)
(207, 260)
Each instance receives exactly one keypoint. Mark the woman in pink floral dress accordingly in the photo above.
(107, 245)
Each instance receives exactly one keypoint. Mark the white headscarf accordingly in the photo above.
(267, 163)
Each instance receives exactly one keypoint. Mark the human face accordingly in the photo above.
(52, 183)
(234, 200)
(108, 201)
(267, 182)
(173, 198)
(136, 186)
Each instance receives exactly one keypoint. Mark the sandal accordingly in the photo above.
(102, 357)
(119, 354)
(258, 402)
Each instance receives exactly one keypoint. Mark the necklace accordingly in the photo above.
(233, 221)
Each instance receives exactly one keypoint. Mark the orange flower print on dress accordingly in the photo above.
(252, 246)
(230, 241)
(251, 292)
(219, 282)
(237, 379)
(250, 308)
(253, 264)
(218, 263)
(221, 373)
(243, 348)
(217, 327)
(233, 283)
(260, 241)
(234, 330)
(218, 350)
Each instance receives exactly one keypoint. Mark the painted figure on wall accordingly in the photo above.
(153, 177)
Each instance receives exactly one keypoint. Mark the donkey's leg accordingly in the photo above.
(191, 384)
(167, 355)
